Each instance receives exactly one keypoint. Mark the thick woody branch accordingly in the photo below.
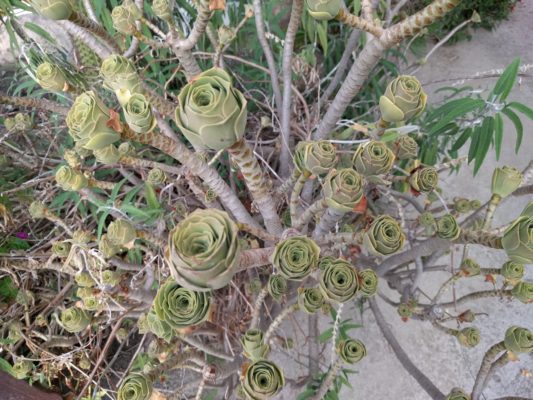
(41, 104)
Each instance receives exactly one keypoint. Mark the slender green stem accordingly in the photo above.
(295, 195)
(41, 104)
(493, 203)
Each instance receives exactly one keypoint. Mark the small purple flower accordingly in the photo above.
(22, 235)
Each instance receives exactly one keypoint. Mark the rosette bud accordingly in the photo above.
(75, 319)
(9, 124)
(107, 155)
(468, 337)
(277, 286)
(262, 380)
(81, 237)
(162, 9)
(126, 149)
(458, 394)
(156, 176)
(505, 181)
(351, 351)
(319, 157)
(111, 278)
(296, 257)
(404, 99)
(120, 76)
(72, 158)
(324, 10)
(461, 205)
(310, 300)
(404, 311)
(384, 236)
(523, 291)
(470, 268)
(136, 386)
(427, 220)
(22, 369)
(84, 280)
(87, 121)
(343, 189)
(180, 307)
(23, 122)
(152, 323)
(14, 331)
(325, 261)
(338, 282)
(253, 345)
(475, 204)
(138, 114)
(424, 179)
(125, 16)
(61, 249)
(512, 271)
(107, 248)
(448, 228)
(406, 148)
(70, 180)
(211, 112)
(373, 158)
(51, 77)
(518, 340)
(37, 209)
(517, 240)
(204, 250)
(120, 232)
(53, 9)
(368, 282)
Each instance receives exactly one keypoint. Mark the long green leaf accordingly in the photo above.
(517, 124)
(485, 138)
(528, 112)
(498, 134)
(462, 139)
(507, 79)
(467, 106)
(474, 143)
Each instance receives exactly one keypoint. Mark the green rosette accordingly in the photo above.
(368, 282)
(343, 189)
(517, 240)
(404, 99)
(84, 280)
(468, 337)
(323, 10)
(512, 271)
(406, 148)
(296, 257)
(518, 340)
(458, 394)
(120, 76)
(51, 77)
(427, 220)
(138, 114)
(461, 205)
(70, 180)
(37, 209)
(424, 179)
(211, 112)
(87, 121)
(136, 386)
(319, 157)
(384, 236)
(72, 158)
(126, 149)
(22, 369)
(373, 158)
(262, 380)
(300, 152)
(53, 9)
(523, 291)
(505, 181)
(75, 319)
(404, 311)
(107, 155)
(61, 249)
(338, 282)
(108, 248)
(204, 250)
(180, 307)
(82, 292)
(14, 331)
(310, 300)
(91, 303)
(156, 176)
(120, 232)
(125, 16)
(351, 351)
(253, 345)
(162, 9)
(9, 124)
(151, 323)
(110, 277)
(23, 122)
(470, 268)
(475, 204)
(277, 286)
(448, 228)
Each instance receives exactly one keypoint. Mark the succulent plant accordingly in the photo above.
(296, 257)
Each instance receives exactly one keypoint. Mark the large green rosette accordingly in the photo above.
(180, 307)
(296, 257)
(338, 281)
(75, 319)
(517, 240)
(404, 99)
(204, 250)
(120, 76)
(373, 158)
(384, 236)
(70, 180)
(317, 158)
(351, 351)
(424, 179)
(87, 121)
(138, 114)
(448, 228)
(323, 10)
(135, 387)
(262, 380)
(53, 9)
(124, 17)
(523, 291)
(120, 232)
(343, 189)
(310, 300)
(211, 112)
(50, 77)
(512, 271)
(253, 345)
(518, 340)
(505, 180)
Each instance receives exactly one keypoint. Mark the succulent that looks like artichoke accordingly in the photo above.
(262, 380)
(296, 257)
(323, 10)
(384, 236)
(518, 340)
(136, 386)
(517, 240)
(404, 99)
(204, 250)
